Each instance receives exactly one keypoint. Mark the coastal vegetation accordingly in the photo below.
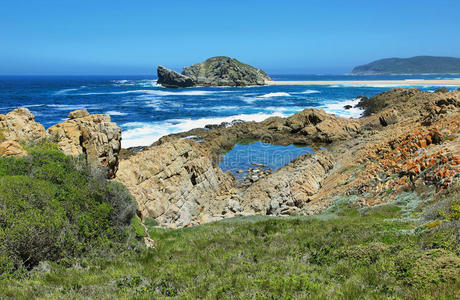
(373, 214)
(396, 251)
(55, 208)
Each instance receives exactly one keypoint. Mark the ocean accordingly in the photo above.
(146, 111)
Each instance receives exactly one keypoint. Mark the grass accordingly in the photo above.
(405, 250)
(353, 254)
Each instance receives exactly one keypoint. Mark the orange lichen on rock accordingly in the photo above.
(412, 159)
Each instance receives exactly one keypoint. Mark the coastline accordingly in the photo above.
(445, 82)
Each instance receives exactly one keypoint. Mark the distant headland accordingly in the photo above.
(413, 65)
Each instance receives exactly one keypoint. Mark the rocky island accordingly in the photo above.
(215, 71)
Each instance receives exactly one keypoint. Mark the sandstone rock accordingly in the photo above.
(19, 125)
(92, 135)
(290, 186)
(358, 166)
(78, 114)
(176, 183)
(10, 148)
(172, 79)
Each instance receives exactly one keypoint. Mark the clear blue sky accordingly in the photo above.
(282, 37)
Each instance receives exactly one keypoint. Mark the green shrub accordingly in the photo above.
(54, 207)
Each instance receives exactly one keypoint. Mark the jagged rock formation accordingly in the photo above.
(19, 125)
(160, 177)
(409, 140)
(215, 71)
(95, 136)
(288, 190)
(172, 79)
(177, 184)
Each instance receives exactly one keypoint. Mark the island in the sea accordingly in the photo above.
(413, 65)
(215, 71)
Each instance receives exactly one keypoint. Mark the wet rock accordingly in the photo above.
(258, 165)
(172, 79)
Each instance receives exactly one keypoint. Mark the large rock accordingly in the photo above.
(215, 71)
(10, 148)
(176, 183)
(172, 79)
(19, 125)
(225, 71)
(289, 189)
(95, 136)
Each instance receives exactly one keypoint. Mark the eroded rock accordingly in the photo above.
(19, 125)
(10, 148)
(177, 183)
(92, 135)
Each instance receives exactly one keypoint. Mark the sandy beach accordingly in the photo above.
(409, 82)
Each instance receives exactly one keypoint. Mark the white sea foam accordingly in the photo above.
(65, 91)
(338, 108)
(143, 83)
(116, 113)
(143, 133)
(286, 110)
(33, 105)
(152, 92)
(310, 92)
(73, 107)
(277, 94)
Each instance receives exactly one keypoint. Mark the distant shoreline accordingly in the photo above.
(408, 82)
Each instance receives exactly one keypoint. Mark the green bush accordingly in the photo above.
(54, 207)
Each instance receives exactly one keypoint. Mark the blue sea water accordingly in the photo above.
(146, 111)
(242, 157)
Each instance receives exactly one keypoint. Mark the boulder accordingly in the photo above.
(78, 114)
(319, 126)
(10, 148)
(172, 79)
(19, 125)
(95, 136)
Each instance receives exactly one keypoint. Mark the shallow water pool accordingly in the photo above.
(243, 156)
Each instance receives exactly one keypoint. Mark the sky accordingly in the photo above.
(100, 37)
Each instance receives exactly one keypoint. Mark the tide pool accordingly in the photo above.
(243, 156)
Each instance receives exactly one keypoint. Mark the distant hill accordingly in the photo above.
(413, 65)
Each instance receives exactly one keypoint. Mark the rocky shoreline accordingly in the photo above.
(407, 141)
